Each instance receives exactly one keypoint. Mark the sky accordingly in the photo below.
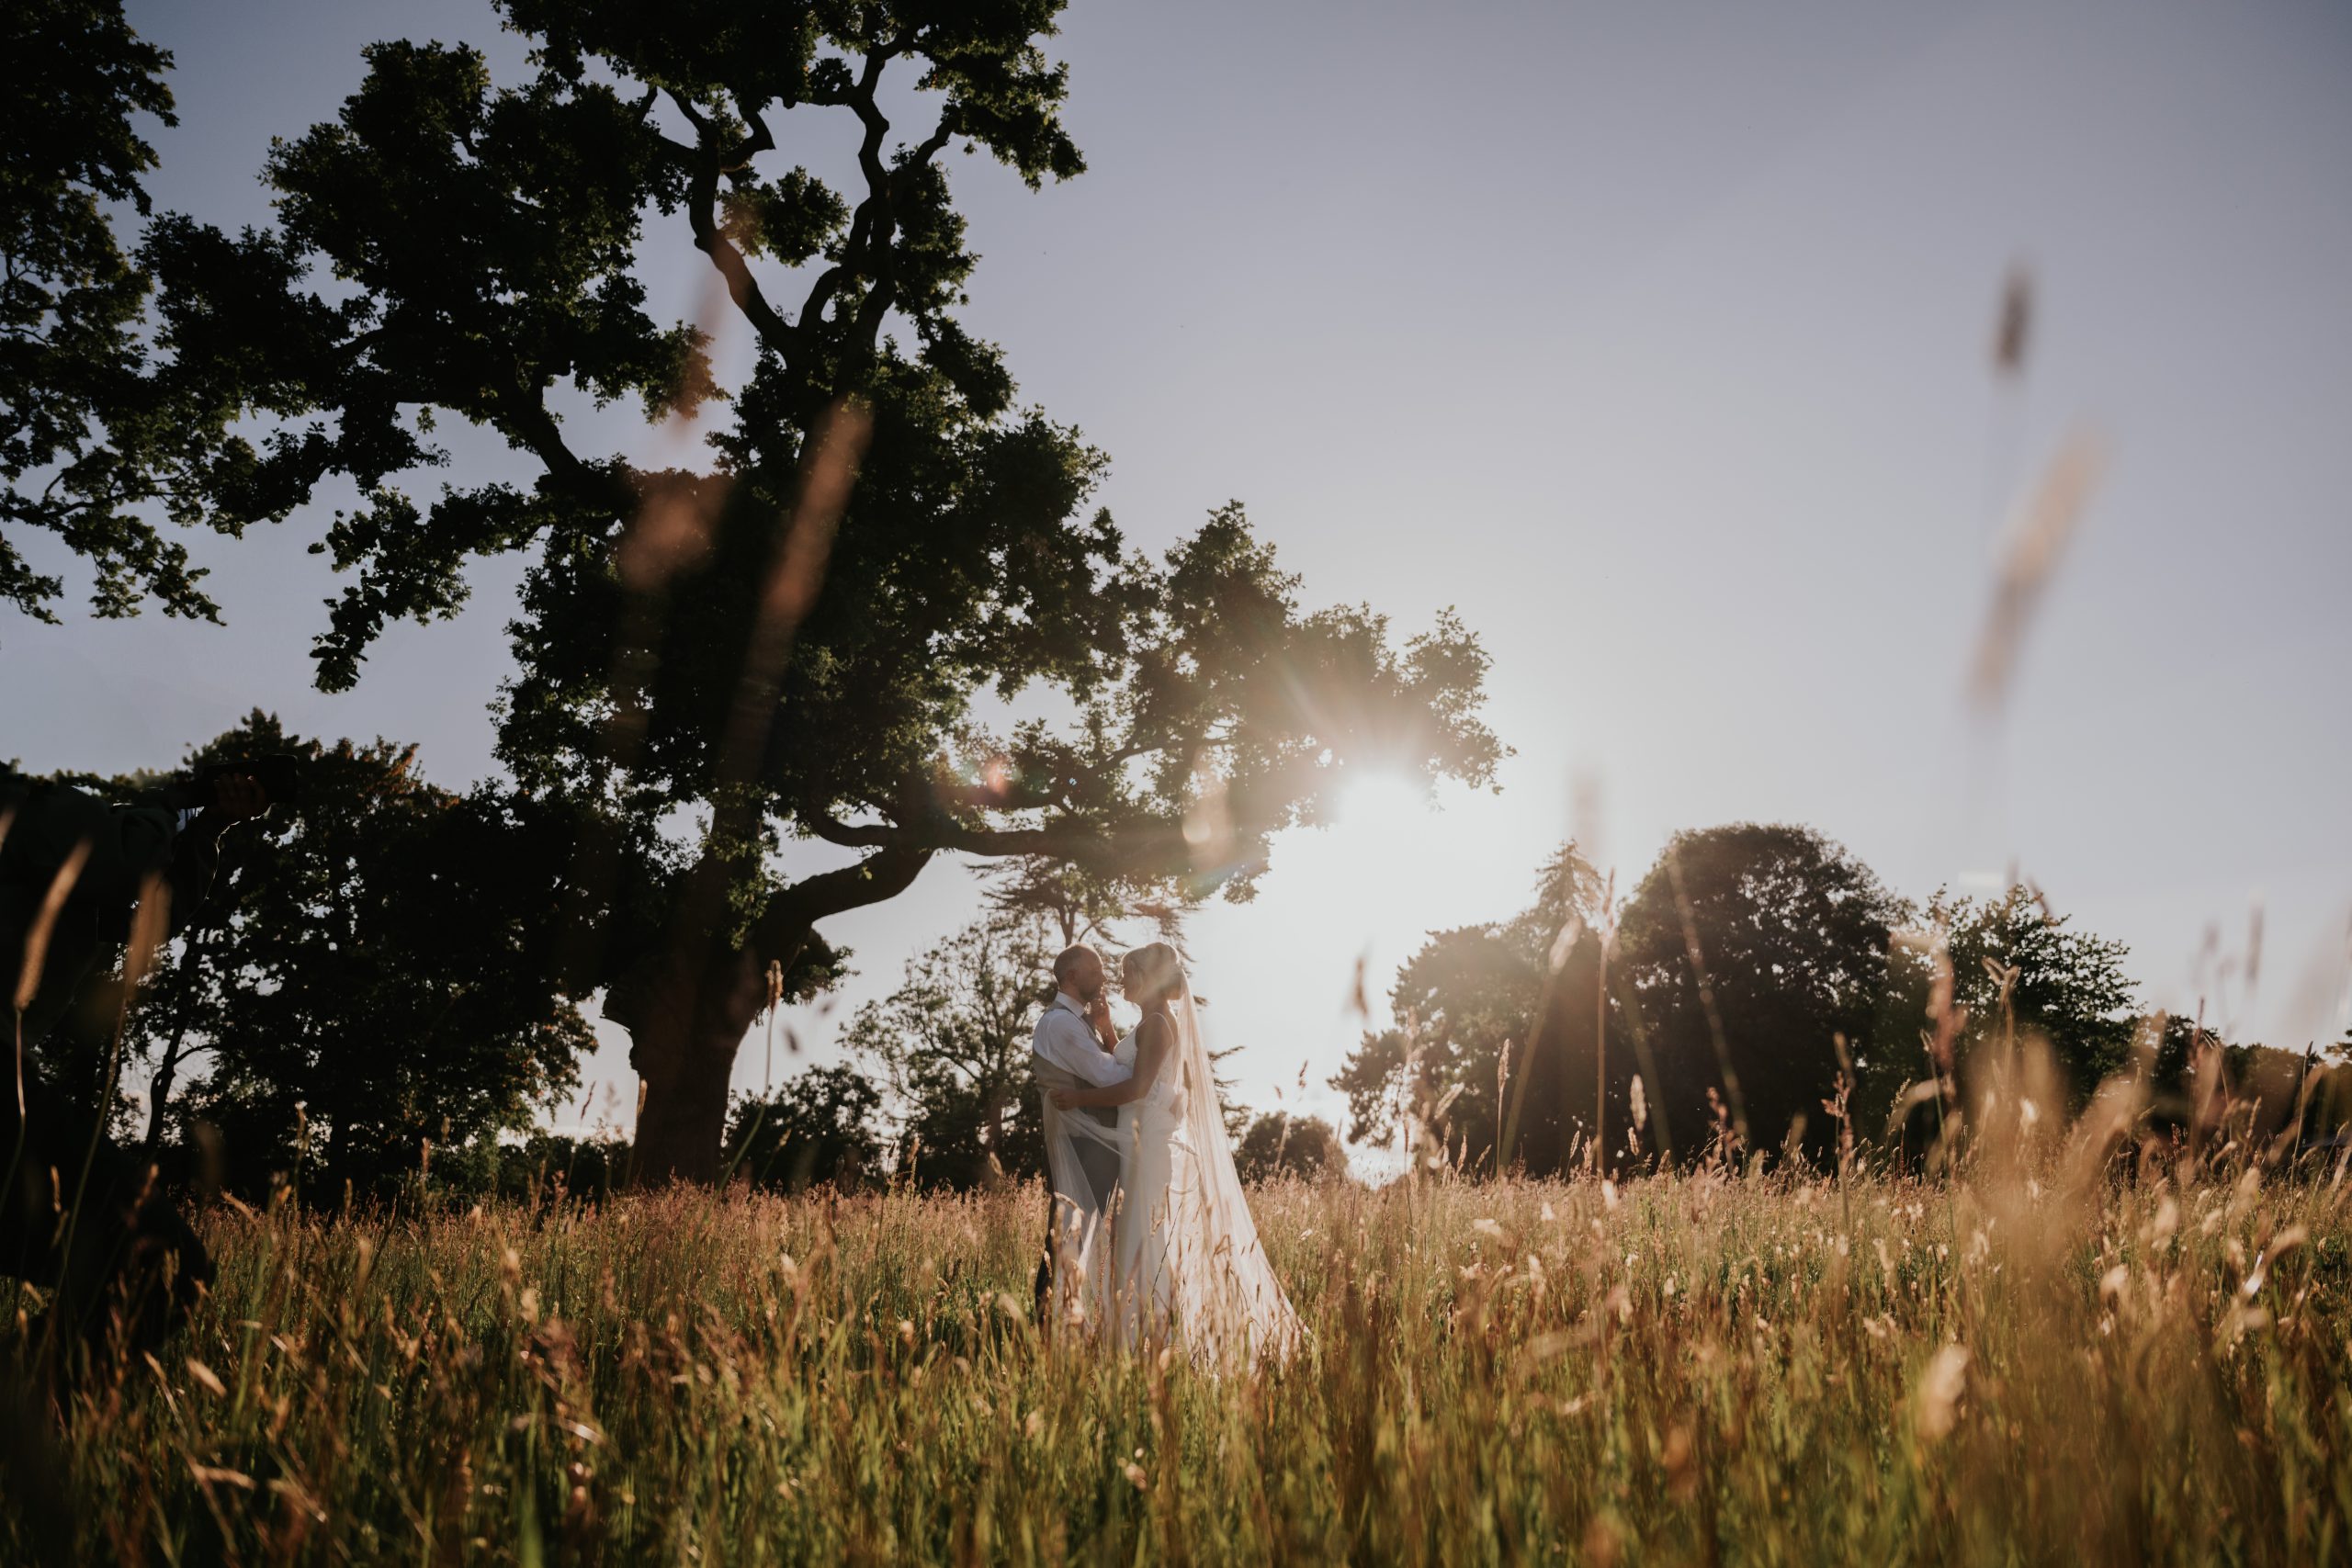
(1655, 339)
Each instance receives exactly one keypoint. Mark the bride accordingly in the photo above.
(1186, 1270)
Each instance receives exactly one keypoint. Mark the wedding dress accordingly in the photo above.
(1188, 1269)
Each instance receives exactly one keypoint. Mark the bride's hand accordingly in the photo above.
(1063, 1098)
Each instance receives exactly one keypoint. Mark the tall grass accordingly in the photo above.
(1691, 1368)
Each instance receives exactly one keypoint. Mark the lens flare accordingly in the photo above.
(1380, 800)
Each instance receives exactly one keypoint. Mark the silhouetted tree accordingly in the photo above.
(361, 987)
(539, 1165)
(1796, 942)
(2327, 1109)
(786, 643)
(821, 1126)
(952, 1043)
(1464, 997)
(2203, 1088)
(1744, 956)
(1276, 1144)
(2069, 986)
(2065, 993)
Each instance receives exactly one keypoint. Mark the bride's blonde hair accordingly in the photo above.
(1153, 969)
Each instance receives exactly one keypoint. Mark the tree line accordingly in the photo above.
(1761, 992)
(368, 1008)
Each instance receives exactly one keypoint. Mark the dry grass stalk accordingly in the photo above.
(2030, 551)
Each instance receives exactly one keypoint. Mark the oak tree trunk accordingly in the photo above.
(681, 1121)
(688, 1008)
(684, 1037)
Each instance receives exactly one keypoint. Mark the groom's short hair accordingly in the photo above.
(1068, 959)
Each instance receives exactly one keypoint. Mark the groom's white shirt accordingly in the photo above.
(1065, 1039)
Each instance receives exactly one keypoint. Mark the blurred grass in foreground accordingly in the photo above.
(1688, 1369)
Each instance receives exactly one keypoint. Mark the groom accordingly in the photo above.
(1072, 1050)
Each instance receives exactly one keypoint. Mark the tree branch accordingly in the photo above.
(928, 148)
(866, 251)
(1062, 840)
(741, 286)
(761, 140)
(536, 428)
(874, 880)
(871, 212)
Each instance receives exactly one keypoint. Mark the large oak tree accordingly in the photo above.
(791, 639)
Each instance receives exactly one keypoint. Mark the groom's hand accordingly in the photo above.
(1098, 1014)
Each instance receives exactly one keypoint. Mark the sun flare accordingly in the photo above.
(1380, 800)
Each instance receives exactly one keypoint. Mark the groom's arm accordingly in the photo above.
(1063, 1040)
(1151, 1054)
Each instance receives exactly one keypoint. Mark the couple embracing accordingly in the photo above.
(1150, 1244)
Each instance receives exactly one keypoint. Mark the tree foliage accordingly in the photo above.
(1278, 1144)
(541, 1166)
(1744, 958)
(823, 1125)
(114, 414)
(72, 304)
(1753, 968)
(1468, 1049)
(360, 989)
(951, 1045)
(2018, 966)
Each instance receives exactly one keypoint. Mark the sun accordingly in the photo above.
(1381, 801)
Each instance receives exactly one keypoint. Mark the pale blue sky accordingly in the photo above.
(1654, 338)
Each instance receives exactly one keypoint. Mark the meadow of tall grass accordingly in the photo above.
(2023, 1363)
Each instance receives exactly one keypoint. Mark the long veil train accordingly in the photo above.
(1227, 1307)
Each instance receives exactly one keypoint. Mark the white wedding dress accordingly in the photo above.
(1187, 1268)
